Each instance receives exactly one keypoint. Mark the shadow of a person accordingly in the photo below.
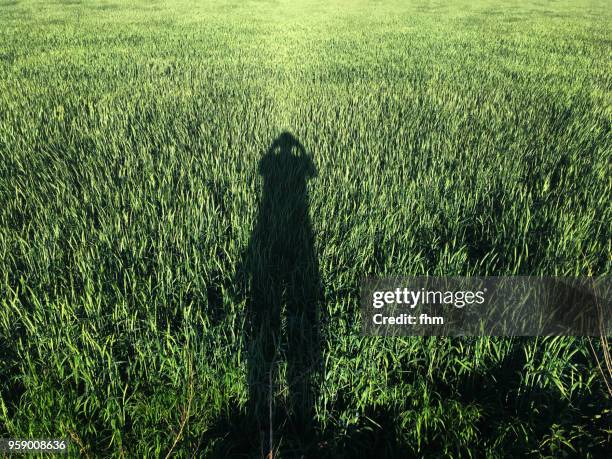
(284, 292)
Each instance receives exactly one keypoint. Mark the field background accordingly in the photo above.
(464, 137)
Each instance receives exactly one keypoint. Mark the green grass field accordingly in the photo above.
(143, 232)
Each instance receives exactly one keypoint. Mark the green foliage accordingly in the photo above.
(465, 138)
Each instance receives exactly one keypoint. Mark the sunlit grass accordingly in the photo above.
(467, 138)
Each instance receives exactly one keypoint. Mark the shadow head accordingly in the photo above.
(287, 159)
